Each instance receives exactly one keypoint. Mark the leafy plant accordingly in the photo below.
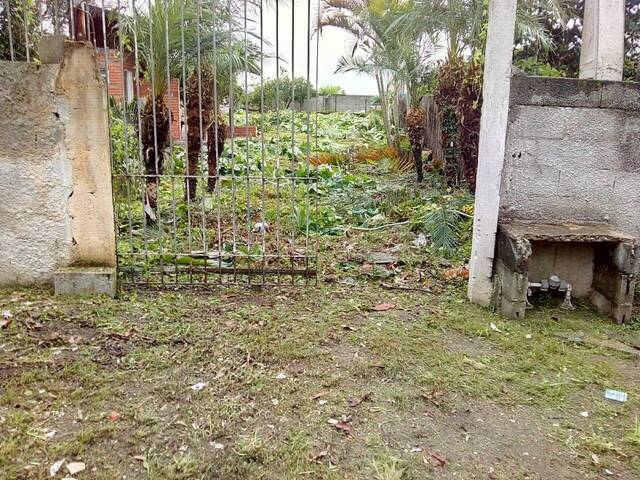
(277, 92)
(331, 90)
(533, 66)
(442, 225)
(322, 219)
(459, 96)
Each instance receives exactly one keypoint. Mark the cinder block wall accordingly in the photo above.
(338, 103)
(573, 153)
(56, 207)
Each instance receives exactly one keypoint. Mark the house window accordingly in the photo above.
(128, 85)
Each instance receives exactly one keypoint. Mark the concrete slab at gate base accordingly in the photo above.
(572, 158)
(86, 281)
(55, 178)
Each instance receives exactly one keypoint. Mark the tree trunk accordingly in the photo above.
(154, 135)
(416, 121)
(384, 109)
(216, 136)
(199, 112)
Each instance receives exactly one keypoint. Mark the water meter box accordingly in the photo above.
(588, 260)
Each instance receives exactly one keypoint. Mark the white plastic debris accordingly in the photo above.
(584, 414)
(196, 387)
(528, 336)
(616, 395)
(420, 241)
(281, 376)
(55, 467)
(494, 327)
(322, 402)
(261, 227)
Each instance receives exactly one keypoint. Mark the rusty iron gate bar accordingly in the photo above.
(206, 192)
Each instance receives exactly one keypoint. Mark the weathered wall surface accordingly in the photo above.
(55, 184)
(573, 153)
(35, 176)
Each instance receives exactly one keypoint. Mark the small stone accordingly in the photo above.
(75, 467)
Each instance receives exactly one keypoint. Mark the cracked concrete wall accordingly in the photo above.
(573, 153)
(55, 179)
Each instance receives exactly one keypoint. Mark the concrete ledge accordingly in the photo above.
(86, 281)
(556, 92)
(574, 92)
(621, 95)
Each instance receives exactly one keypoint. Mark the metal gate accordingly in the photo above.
(212, 185)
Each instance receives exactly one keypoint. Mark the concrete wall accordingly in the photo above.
(338, 103)
(55, 180)
(573, 153)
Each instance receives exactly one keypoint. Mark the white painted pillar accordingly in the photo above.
(602, 52)
(493, 131)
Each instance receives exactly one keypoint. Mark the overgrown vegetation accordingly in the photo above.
(323, 181)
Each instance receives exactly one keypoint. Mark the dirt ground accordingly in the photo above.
(350, 379)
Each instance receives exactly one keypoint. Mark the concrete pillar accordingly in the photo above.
(493, 130)
(602, 52)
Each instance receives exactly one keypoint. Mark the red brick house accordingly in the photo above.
(88, 21)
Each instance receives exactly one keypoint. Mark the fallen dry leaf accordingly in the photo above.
(113, 416)
(319, 456)
(354, 402)
(383, 307)
(455, 273)
(342, 425)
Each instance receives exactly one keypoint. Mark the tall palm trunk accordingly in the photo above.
(416, 122)
(154, 134)
(216, 136)
(199, 112)
(384, 107)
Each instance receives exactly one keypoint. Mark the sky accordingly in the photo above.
(333, 44)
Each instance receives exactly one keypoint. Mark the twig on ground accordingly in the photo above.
(381, 227)
(396, 287)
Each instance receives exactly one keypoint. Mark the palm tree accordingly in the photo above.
(461, 24)
(169, 39)
(207, 86)
(199, 109)
(160, 38)
(368, 22)
(388, 51)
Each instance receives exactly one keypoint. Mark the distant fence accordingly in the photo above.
(339, 103)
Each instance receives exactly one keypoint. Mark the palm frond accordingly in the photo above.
(443, 227)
